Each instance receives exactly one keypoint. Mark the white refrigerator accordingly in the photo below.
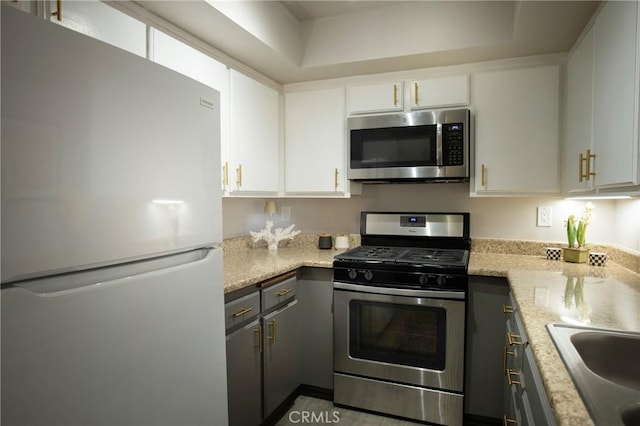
(112, 282)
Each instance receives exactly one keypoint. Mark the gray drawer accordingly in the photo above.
(241, 310)
(283, 290)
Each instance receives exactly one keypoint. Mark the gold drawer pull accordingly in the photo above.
(239, 175)
(514, 339)
(395, 95)
(589, 173)
(483, 177)
(242, 312)
(273, 332)
(586, 159)
(513, 376)
(58, 13)
(225, 174)
(284, 292)
(506, 354)
(259, 345)
(507, 309)
(506, 421)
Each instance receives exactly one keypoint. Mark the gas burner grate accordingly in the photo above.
(420, 256)
(372, 253)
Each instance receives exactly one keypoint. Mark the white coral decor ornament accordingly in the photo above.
(273, 236)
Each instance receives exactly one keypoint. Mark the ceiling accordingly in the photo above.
(308, 9)
(294, 41)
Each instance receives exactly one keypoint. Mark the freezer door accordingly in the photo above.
(106, 156)
(140, 344)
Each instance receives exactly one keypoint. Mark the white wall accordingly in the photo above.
(626, 223)
(616, 222)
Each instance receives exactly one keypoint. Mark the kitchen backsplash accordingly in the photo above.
(616, 222)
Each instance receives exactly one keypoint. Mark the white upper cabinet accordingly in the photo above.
(615, 95)
(254, 136)
(578, 128)
(372, 98)
(436, 92)
(440, 92)
(516, 116)
(600, 150)
(180, 57)
(103, 22)
(315, 142)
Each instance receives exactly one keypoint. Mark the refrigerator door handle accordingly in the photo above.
(97, 278)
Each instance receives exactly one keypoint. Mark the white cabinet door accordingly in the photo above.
(315, 141)
(254, 143)
(172, 53)
(578, 129)
(103, 22)
(616, 80)
(372, 98)
(517, 114)
(440, 92)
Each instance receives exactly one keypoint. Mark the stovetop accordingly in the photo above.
(403, 267)
(408, 250)
(406, 256)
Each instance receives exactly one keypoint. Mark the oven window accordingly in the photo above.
(413, 146)
(398, 334)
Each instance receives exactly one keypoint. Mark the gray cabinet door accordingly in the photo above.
(484, 372)
(244, 375)
(281, 355)
(316, 343)
(538, 407)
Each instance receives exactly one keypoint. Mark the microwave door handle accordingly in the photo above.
(439, 147)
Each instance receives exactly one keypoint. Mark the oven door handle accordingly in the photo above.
(444, 294)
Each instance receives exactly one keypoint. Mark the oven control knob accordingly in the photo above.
(423, 279)
(353, 274)
(440, 280)
(368, 275)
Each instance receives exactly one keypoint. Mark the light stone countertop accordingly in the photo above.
(545, 291)
(246, 264)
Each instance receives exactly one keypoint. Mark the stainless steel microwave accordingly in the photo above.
(407, 147)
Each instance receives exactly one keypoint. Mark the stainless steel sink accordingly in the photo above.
(605, 367)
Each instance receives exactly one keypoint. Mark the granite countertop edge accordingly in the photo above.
(246, 267)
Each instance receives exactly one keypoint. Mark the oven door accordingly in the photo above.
(406, 336)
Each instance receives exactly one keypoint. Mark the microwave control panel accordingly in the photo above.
(453, 144)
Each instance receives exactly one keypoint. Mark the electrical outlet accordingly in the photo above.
(544, 216)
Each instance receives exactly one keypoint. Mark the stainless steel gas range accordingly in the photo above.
(399, 316)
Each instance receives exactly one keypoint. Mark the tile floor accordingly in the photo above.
(320, 411)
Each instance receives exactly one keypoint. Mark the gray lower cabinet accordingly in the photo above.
(525, 399)
(484, 369)
(263, 349)
(501, 377)
(244, 360)
(244, 375)
(316, 339)
(278, 337)
(281, 354)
